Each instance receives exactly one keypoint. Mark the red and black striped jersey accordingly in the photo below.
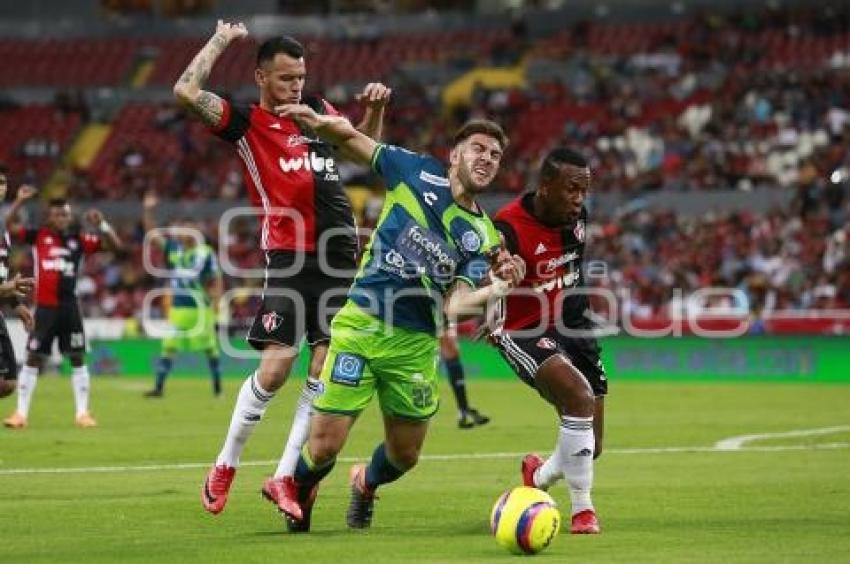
(554, 259)
(294, 177)
(56, 258)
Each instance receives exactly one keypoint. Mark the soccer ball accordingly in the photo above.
(525, 520)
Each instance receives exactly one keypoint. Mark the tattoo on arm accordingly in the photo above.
(208, 107)
(199, 69)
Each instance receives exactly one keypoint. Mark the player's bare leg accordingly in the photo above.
(569, 391)
(251, 403)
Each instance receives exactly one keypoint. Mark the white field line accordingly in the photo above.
(424, 458)
(736, 443)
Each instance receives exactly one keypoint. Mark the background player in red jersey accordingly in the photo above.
(293, 178)
(545, 335)
(11, 292)
(58, 248)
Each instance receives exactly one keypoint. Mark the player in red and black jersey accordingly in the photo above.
(11, 293)
(545, 334)
(58, 248)
(307, 234)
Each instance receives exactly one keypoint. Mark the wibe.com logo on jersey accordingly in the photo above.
(312, 162)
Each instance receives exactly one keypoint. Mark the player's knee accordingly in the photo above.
(77, 359)
(271, 379)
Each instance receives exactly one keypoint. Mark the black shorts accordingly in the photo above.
(63, 322)
(8, 363)
(301, 302)
(526, 355)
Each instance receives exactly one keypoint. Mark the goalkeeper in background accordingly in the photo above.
(196, 287)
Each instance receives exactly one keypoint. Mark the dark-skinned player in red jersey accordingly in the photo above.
(58, 248)
(306, 224)
(544, 333)
(12, 291)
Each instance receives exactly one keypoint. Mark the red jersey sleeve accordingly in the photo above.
(235, 121)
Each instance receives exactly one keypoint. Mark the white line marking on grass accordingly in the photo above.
(424, 458)
(735, 443)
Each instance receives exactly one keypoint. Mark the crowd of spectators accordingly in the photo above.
(700, 107)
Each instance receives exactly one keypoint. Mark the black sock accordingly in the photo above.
(163, 367)
(308, 474)
(215, 373)
(381, 470)
(455, 370)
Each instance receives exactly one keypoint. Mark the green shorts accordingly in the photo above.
(193, 330)
(367, 356)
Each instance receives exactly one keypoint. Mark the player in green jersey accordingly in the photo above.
(431, 249)
(196, 286)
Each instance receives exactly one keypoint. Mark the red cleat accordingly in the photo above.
(530, 464)
(283, 492)
(216, 487)
(585, 523)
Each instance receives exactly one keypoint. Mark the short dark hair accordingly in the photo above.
(558, 157)
(4, 169)
(281, 44)
(483, 126)
(57, 203)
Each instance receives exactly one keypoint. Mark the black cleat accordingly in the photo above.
(361, 507)
(470, 418)
(154, 394)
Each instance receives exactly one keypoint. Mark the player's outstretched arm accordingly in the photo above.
(25, 192)
(336, 130)
(464, 302)
(188, 90)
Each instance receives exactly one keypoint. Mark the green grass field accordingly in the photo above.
(662, 491)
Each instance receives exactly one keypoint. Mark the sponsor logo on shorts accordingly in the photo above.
(271, 321)
(348, 368)
(546, 343)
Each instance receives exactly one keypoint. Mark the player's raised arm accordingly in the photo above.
(189, 88)
(149, 202)
(336, 130)
(375, 97)
(98, 220)
(25, 192)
